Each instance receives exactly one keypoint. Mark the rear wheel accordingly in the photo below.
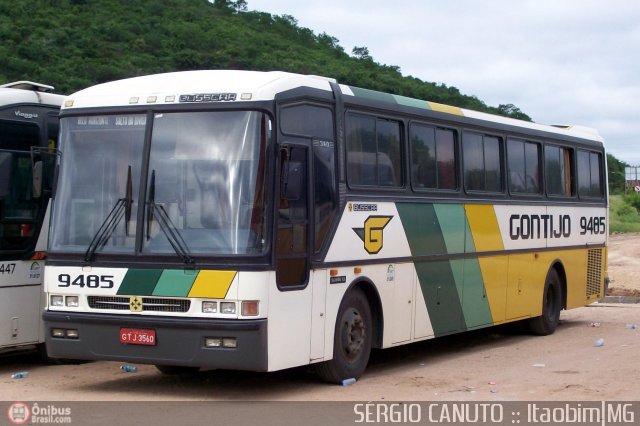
(351, 342)
(551, 305)
(174, 370)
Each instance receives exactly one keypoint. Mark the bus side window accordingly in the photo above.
(559, 171)
(589, 174)
(432, 157)
(524, 166)
(482, 162)
(374, 152)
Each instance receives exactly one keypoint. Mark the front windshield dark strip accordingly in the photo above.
(146, 149)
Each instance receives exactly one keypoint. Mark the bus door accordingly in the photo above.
(308, 206)
(292, 237)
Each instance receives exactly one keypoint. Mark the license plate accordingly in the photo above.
(133, 336)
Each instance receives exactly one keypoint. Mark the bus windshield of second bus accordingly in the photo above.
(28, 137)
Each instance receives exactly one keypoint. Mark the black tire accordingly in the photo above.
(175, 370)
(551, 305)
(351, 341)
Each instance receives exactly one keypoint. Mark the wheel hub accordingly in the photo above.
(353, 334)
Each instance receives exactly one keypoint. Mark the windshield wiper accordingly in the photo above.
(121, 209)
(166, 225)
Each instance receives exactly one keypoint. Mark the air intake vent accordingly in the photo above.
(148, 304)
(594, 272)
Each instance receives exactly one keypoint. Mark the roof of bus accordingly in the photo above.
(14, 96)
(238, 86)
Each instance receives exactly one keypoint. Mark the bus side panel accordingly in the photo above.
(526, 277)
(20, 322)
(575, 266)
(289, 326)
(319, 279)
(495, 280)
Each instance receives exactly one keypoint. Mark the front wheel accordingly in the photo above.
(351, 341)
(551, 305)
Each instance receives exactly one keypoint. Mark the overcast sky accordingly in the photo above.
(559, 61)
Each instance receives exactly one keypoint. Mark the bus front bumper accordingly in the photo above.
(178, 341)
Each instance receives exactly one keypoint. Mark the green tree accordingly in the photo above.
(72, 44)
(616, 174)
(361, 52)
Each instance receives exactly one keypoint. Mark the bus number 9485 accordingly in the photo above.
(592, 225)
(90, 281)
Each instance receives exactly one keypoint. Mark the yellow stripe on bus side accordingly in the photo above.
(484, 227)
(444, 108)
(495, 284)
(212, 284)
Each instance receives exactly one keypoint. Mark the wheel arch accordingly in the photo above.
(375, 304)
(558, 266)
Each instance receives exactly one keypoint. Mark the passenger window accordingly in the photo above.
(558, 171)
(374, 156)
(523, 159)
(482, 162)
(589, 175)
(432, 158)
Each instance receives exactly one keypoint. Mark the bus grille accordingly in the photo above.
(594, 272)
(148, 304)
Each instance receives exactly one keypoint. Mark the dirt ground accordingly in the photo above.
(497, 364)
(624, 264)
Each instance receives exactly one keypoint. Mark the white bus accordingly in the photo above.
(266, 220)
(28, 137)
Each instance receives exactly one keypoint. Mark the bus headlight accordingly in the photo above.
(209, 307)
(57, 300)
(227, 307)
(71, 301)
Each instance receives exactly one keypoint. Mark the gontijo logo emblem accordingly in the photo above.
(371, 234)
(135, 304)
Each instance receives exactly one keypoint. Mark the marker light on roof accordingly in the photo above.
(68, 103)
(170, 98)
(134, 100)
(246, 96)
(152, 99)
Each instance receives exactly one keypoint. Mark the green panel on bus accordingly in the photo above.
(422, 229)
(452, 221)
(175, 283)
(372, 94)
(475, 302)
(441, 295)
(140, 282)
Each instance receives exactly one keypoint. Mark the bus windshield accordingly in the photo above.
(204, 184)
